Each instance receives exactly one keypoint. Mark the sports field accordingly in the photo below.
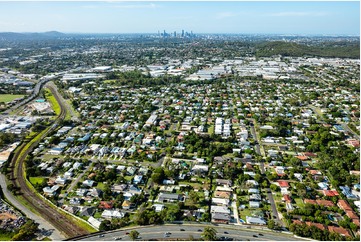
(9, 97)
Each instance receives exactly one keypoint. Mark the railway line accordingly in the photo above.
(45, 209)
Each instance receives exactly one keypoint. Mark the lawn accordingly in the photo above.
(100, 186)
(211, 129)
(110, 81)
(9, 97)
(243, 213)
(6, 236)
(51, 99)
(36, 180)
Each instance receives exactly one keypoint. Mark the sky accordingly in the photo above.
(242, 17)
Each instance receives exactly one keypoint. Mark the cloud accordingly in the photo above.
(11, 24)
(117, 4)
(223, 15)
(135, 6)
(90, 6)
(298, 14)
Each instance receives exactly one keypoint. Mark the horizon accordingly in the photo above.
(201, 33)
(265, 18)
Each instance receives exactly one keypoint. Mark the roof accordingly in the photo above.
(220, 209)
(283, 183)
(287, 197)
(315, 172)
(351, 214)
(88, 211)
(96, 223)
(172, 196)
(311, 201)
(297, 222)
(112, 214)
(325, 203)
(317, 225)
(255, 220)
(126, 203)
(343, 204)
(106, 205)
(310, 154)
(330, 193)
(339, 230)
(222, 194)
(221, 216)
(302, 157)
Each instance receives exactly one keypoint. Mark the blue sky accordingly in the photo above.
(335, 17)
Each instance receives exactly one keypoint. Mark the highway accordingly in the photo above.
(35, 93)
(191, 231)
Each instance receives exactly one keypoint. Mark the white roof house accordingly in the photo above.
(112, 214)
(255, 220)
(93, 221)
(220, 209)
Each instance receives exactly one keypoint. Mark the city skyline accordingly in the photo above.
(302, 18)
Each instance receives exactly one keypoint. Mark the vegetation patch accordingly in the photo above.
(36, 180)
(9, 97)
(51, 99)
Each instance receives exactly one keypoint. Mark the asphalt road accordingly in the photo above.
(29, 98)
(261, 167)
(345, 127)
(193, 231)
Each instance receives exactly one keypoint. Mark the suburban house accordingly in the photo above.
(169, 197)
(255, 220)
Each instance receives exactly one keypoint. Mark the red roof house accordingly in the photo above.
(317, 225)
(283, 183)
(339, 230)
(343, 204)
(330, 193)
(325, 203)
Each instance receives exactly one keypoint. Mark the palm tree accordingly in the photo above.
(209, 234)
(133, 234)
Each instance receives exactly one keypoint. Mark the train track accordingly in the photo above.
(47, 211)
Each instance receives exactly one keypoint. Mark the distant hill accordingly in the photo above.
(329, 49)
(29, 36)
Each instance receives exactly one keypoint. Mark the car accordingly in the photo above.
(117, 238)
(182, 230)
(260, 234)
(101, 235)
(126, 232)
(225, 238)
(225, 232)
(199, 230)
(255, 236)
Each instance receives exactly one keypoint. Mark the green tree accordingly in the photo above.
(26, 232)
(105, 225)
(133, 234)
(209, 234)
